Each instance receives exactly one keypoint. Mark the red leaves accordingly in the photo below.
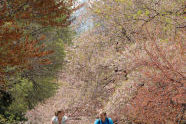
(16, 49)
(44, 12)
(45, 62)
(153, 105)
(162, 98)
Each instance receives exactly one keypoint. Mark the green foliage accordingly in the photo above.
(9, 116)
(20, 92)
(147, 12)
(9, 120)
(44, 88)
(29, 87)
(25, 94)
(30, 63)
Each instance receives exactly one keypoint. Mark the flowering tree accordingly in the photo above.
(161, 98)
(150, 39)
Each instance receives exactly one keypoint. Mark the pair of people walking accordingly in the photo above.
(60, 118)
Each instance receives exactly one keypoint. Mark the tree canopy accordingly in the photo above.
(32, 38)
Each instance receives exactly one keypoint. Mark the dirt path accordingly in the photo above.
(65, 96)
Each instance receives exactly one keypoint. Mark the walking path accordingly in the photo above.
(65, 97)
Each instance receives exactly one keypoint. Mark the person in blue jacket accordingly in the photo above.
(103, 119)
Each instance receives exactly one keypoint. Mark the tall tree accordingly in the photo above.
(30, 52)
(16, 19)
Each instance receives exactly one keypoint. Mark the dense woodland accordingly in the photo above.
(32, 38)
(129, 63)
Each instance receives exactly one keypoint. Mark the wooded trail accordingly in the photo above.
(65, 97)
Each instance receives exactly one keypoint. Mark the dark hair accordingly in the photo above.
(104, 113)
(59, 111)
(55, 113)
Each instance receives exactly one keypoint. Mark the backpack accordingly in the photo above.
(106, 119)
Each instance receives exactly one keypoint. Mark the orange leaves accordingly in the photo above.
(17, 51)
(3, 7)
(45, 62)
(33, 50)
(44, 12)
(17, 20)
(42, 37)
